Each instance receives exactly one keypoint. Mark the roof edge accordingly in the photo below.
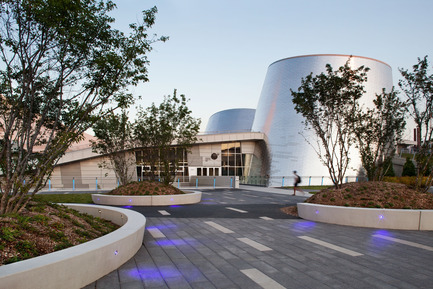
(347, 55)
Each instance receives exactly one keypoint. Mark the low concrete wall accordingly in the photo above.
(78, 266)
(366, 217)
(157, 200)
(220, 181)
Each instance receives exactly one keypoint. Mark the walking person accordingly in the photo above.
(296, 183)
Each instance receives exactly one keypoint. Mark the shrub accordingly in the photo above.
(409, 169)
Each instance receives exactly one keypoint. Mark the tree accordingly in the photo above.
(409, 169)
(114, 133)
(417, 85)
(62, 68)
(166, 132)
(328, 102)
(377, 131)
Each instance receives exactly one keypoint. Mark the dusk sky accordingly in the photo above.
(219, 51)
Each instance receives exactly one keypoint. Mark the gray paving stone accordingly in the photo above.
(132, 285)
(195, 255)
(202, 285)
(109, 281)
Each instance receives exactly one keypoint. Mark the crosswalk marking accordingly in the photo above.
(236, 210)
(219, 227)
(262, 279)
(164, 213)
(331, 246)
(155, 233)
(255, 244)
(409, 243)
(266, 218)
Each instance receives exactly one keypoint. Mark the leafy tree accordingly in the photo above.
(114, 133)
(166, 132)
(62, 67)
(328, 102)
(409, 169)
(417, 85)
(377, 130)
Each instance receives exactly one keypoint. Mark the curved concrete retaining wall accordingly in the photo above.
(366, 217)
(158, 200)
(78, 266)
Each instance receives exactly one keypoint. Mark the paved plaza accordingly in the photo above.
(238, 238)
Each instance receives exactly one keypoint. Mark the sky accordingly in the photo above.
(219, 51)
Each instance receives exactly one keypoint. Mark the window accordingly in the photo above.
(231, 159)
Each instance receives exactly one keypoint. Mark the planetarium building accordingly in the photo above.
(290, 145)
(269, 142)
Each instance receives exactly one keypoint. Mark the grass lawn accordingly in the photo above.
(64, 198)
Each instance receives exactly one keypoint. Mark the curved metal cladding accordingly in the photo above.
(231, 120)
(290, 144)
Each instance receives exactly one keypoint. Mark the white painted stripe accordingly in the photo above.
(230, 198)
(331, 246)
(266, 218)
(409, 243)
(223, 203)
(254, 244)
(156, 233)
(165, 213)
(262, 279)
(237, 210)
(219, 227)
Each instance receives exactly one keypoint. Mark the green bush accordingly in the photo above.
(409, 169)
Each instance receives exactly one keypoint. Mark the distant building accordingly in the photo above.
(257, 145)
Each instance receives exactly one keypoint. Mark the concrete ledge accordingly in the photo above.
(163, 200)
(366, 217)
(78, 266)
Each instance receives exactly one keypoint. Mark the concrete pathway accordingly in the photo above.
(269, 250)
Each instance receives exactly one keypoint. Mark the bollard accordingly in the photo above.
(96, 183)
(214, 180)
(73, 184)
(196, 183)
(118, 183)
(322, 182)
(309, 181)
(282, 183)
(231, 182)
(49, 185)
(178, 183)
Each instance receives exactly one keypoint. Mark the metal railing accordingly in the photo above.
(285, 181)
